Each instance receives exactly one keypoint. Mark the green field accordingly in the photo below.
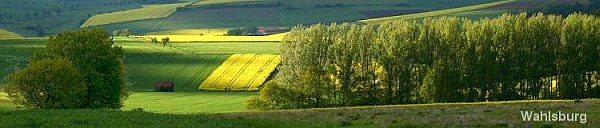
(5, 34)
(54, 16)
(176, 102)
(478, 14)
(186, 64)
(304, 12)
(435, 13)
(187, 71)
(201, 48)
(147, 12)
(189, 102)
(209, 2)
(484, 114)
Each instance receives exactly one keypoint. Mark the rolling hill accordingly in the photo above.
(48, 17)
(147, 12)
(436, 13)
(5, 34)
(235, 13)
(201, 55)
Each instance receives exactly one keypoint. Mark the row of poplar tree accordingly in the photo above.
(437, 60)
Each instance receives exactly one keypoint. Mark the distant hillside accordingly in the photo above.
(250, 13)
(436, 13)
(48, 17)
(147, 12)
(5, 34)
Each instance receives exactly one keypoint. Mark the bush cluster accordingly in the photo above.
(81, 69)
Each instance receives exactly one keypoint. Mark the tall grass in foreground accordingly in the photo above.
(485, 115)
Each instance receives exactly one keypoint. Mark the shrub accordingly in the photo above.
(268, 95)
(243, 31)
(100, 62)
(48, 83)
(255, 103)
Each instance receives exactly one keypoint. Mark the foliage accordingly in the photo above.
(48, 83)
(271, 93)
(441, 60)
(186, 64)
(164, 41)
(154, 40)
(484, 114)
(95, 57)
(243, 31)
(124, 32)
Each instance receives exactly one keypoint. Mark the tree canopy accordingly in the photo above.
(100, 62)
(442, 59)
(48, 83)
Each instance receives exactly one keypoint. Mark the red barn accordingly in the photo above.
(164, 86)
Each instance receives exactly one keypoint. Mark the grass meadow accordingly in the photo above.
(482, 114)
(188, 102)
(5, 34)
(146, 12)
(435, 13)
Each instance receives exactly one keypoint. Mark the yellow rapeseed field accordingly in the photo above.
(204, 38)
(204, 32)
(242, 72)
(146, 12)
